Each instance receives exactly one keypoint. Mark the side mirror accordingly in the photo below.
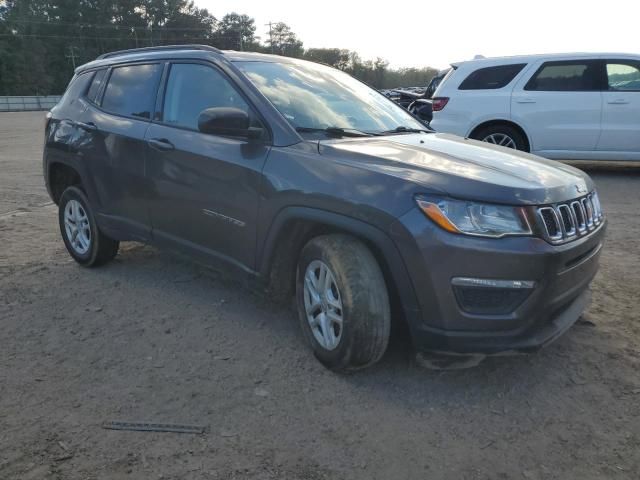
(227, 121)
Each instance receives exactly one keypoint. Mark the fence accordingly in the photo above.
(24, 104)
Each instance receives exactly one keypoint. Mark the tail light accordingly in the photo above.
(439, 103)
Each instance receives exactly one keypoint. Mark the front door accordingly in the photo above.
(205, 188)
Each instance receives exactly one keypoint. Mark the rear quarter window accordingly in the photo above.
(76, 89)
(491, 78)
(96, 83)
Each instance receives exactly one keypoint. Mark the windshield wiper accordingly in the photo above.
(403, 129)
(336, 131)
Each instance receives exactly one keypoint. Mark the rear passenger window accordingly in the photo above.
(98, 78)
(623, 76)
(490, 78)
(192, 88)
(574, 76)
(131, 90)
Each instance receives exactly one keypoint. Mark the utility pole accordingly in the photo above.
(270, 36)
(135, 34)
(72, 55)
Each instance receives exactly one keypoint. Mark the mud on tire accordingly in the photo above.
(361, 289)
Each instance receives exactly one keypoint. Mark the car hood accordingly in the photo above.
(463, 168)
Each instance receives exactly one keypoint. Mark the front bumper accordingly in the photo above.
(433, 257)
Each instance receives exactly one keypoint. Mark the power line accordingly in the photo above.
(115, 25)
(29, 35)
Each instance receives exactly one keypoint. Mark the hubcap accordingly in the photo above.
(500, 139)
(323, 304)
(76, 226)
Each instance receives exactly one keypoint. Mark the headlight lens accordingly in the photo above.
(473, 218)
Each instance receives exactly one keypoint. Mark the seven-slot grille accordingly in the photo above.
(569, 220)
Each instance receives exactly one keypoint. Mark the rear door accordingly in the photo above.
(117, 118)
(560, 106)
(205, 188)
(621, 107)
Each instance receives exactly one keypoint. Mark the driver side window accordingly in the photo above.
(192, 88)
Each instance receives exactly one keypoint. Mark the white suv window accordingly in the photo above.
(491, 78)
(623, 76)
(570, 76)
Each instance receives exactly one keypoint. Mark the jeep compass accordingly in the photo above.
(302, 176)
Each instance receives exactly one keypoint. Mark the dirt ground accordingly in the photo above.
(154, 338)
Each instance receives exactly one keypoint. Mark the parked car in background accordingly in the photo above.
(418, 100)
(561, 106)
(422, 106)
(300, 175)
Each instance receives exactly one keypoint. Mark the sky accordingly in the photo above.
(411, 33)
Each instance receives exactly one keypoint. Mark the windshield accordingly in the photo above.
(313, 96)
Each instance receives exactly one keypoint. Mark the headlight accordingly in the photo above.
(473, 218)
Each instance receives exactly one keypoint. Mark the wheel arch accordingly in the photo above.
(495, 122)
(295, 226)
(61, 175)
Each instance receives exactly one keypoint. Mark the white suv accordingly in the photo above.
(569, 106)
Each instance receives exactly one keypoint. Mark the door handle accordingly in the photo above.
(619, 101)
(89, 126)
(525, 100)
(161, 144)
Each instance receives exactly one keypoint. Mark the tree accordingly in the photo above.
(336, 57)
(41, 40)
(283, 41)
(236, 32)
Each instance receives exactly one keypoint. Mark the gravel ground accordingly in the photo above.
(151, 337)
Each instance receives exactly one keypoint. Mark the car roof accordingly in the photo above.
(168, 52)
(490, 61)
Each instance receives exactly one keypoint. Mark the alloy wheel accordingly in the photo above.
(323, 304)
(77, 227)
(501, 139)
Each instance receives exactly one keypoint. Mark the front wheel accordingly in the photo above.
(343, 303)
(84, 241)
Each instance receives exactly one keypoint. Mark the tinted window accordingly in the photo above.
(131, 91)
(98, 78)
(623, 76)
(491, 77)
(76, 89)
(566, 77)
(192, 88)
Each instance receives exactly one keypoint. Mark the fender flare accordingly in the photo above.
(76, 165)
(386, 249)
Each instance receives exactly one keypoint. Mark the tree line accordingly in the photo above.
(42, 41)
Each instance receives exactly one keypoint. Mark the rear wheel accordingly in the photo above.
(342, 302)
(502, 135)
(84, 241)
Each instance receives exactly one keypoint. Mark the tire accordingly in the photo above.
(87, 245)
(360, 289)
(500, 132)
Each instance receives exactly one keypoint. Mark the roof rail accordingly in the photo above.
(159, 48)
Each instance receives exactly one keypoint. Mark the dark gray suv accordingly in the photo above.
(300, 175)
